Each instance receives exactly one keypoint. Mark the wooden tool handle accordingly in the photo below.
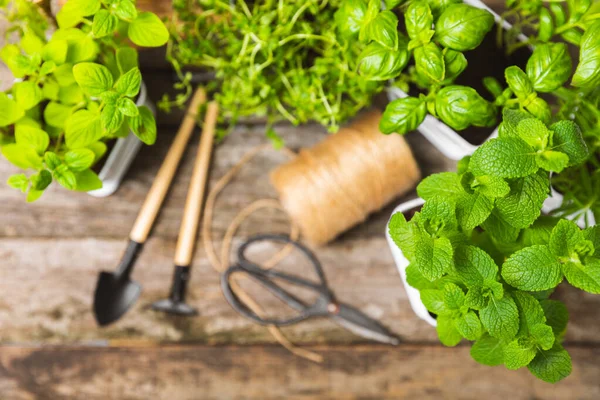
(195, 196)
(162, 181)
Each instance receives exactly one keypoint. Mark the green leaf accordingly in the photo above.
(10, 111)
(490, 186)
(565, 239)
(474, 266)
(79, 159)
(144, 125)
(542, 335)
(148, 30)
(501, 318)
(71, 94)
(473, 210)
(383, 29)
(47, 68)
(125, 9)
(499, 229)
(434, 301)
(540, 231)
(454, 297)
(52, 160)
(40, 181)
(56, 114)
(445, 184)
(429, 62)
(534, 133)
(87, 180)
(592, 234)
(402, 234)
(488, 351)
(567, 138)
(50, 90)
(83, 8)
(557, 315)
(418, 18)
(475, 298)
(379, 63)
(111, 117)
(104, 23)
(549, 66)
(461, 106)
(417, 280)
(82, 129)
(447, 332)
(65, 177)
(31, 43)
(538, 108)
(531, 313)
(455, 63)
(587, 74)
(518, 82)
(462, 27)
(83, 49)
(511, 120)
(127, 107)
(64, 75)
(127, 59)
(33, 195)
(27, 94)
(99, 150)
(551, 365)
(93, 78)
(28, 136)
(19, 182)
(554, 161)
(21, 156)
(533, 268)
(584, 276)
(349, 17)
(19, 64)
(469, 326)
(439, 213)
(519, 353)
(129, 83)
(504, 157)
(403, 115)
(55, 50)
(433, 257)
(524, 203)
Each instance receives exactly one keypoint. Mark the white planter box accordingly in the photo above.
(414, 297)
(121, 156)
(443, 137)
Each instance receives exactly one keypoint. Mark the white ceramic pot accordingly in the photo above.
(443, 137)
(122, 154)
(414, 297)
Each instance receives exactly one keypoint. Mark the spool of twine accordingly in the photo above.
(336, 184)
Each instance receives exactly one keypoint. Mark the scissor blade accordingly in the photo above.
(362, 325)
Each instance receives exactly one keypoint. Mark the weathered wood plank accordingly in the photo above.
(197, 372)
(47, 288)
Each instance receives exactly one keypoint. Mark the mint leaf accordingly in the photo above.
(93, 78)
(439, 213)
(129, 83)
(473, 209)
(433, 257)
(402, 234)
(28, 136)
(534, 133)
(593, 235)
(490, 186)
(417, 280)
(532, 268)
(542, 335)
(19, 182)
(531, 313)
(567, 138)
(557, 315)
(510, 122)
(501, 318)
(504, 157)
(445, 184)
(55, 50)
(499, 229)
(565, 238)
(554, 161)
(454, 298)
(79, 159)
(127, 59)
(127, 107)
(125, 9)
(111, 117)
(474, 266)
(87, 180)
(519, 353)
(23, 157)
(524, 203)
(55, 114)
(148, 30)
(488, 351)
(104, 23)
(551, 365)
(447, 332)
(434, 301)
(83, 129)
(144, 125)
(10, 111)
(585, 277)
(475, 298)
(27, 94)
(65, 177)
(469, 326)
(540, 231)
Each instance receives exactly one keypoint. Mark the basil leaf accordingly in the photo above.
(462, 27)
(148, 30)
(549, 67)
(403, 115)
(461, 106)
(546, 28)
(349, 17)
(429, 62)
(418, 18)
(518, 82)
(587, 74)
(383, 29)
(455, 63)
(379, 63)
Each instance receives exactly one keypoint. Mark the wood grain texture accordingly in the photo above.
(259, 372)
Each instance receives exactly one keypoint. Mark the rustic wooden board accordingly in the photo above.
(258, 372)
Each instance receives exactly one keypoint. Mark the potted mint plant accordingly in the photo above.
(483, 257)
(77, 87)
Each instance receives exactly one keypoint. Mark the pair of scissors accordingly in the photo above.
(325, 305)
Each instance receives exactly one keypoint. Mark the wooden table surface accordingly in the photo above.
(51, 252)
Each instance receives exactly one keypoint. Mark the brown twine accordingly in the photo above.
(324, 191)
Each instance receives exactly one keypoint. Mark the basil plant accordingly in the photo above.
(486, 260)
(75, 89)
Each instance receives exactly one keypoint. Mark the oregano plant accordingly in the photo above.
(486, 260)
(76, 87)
